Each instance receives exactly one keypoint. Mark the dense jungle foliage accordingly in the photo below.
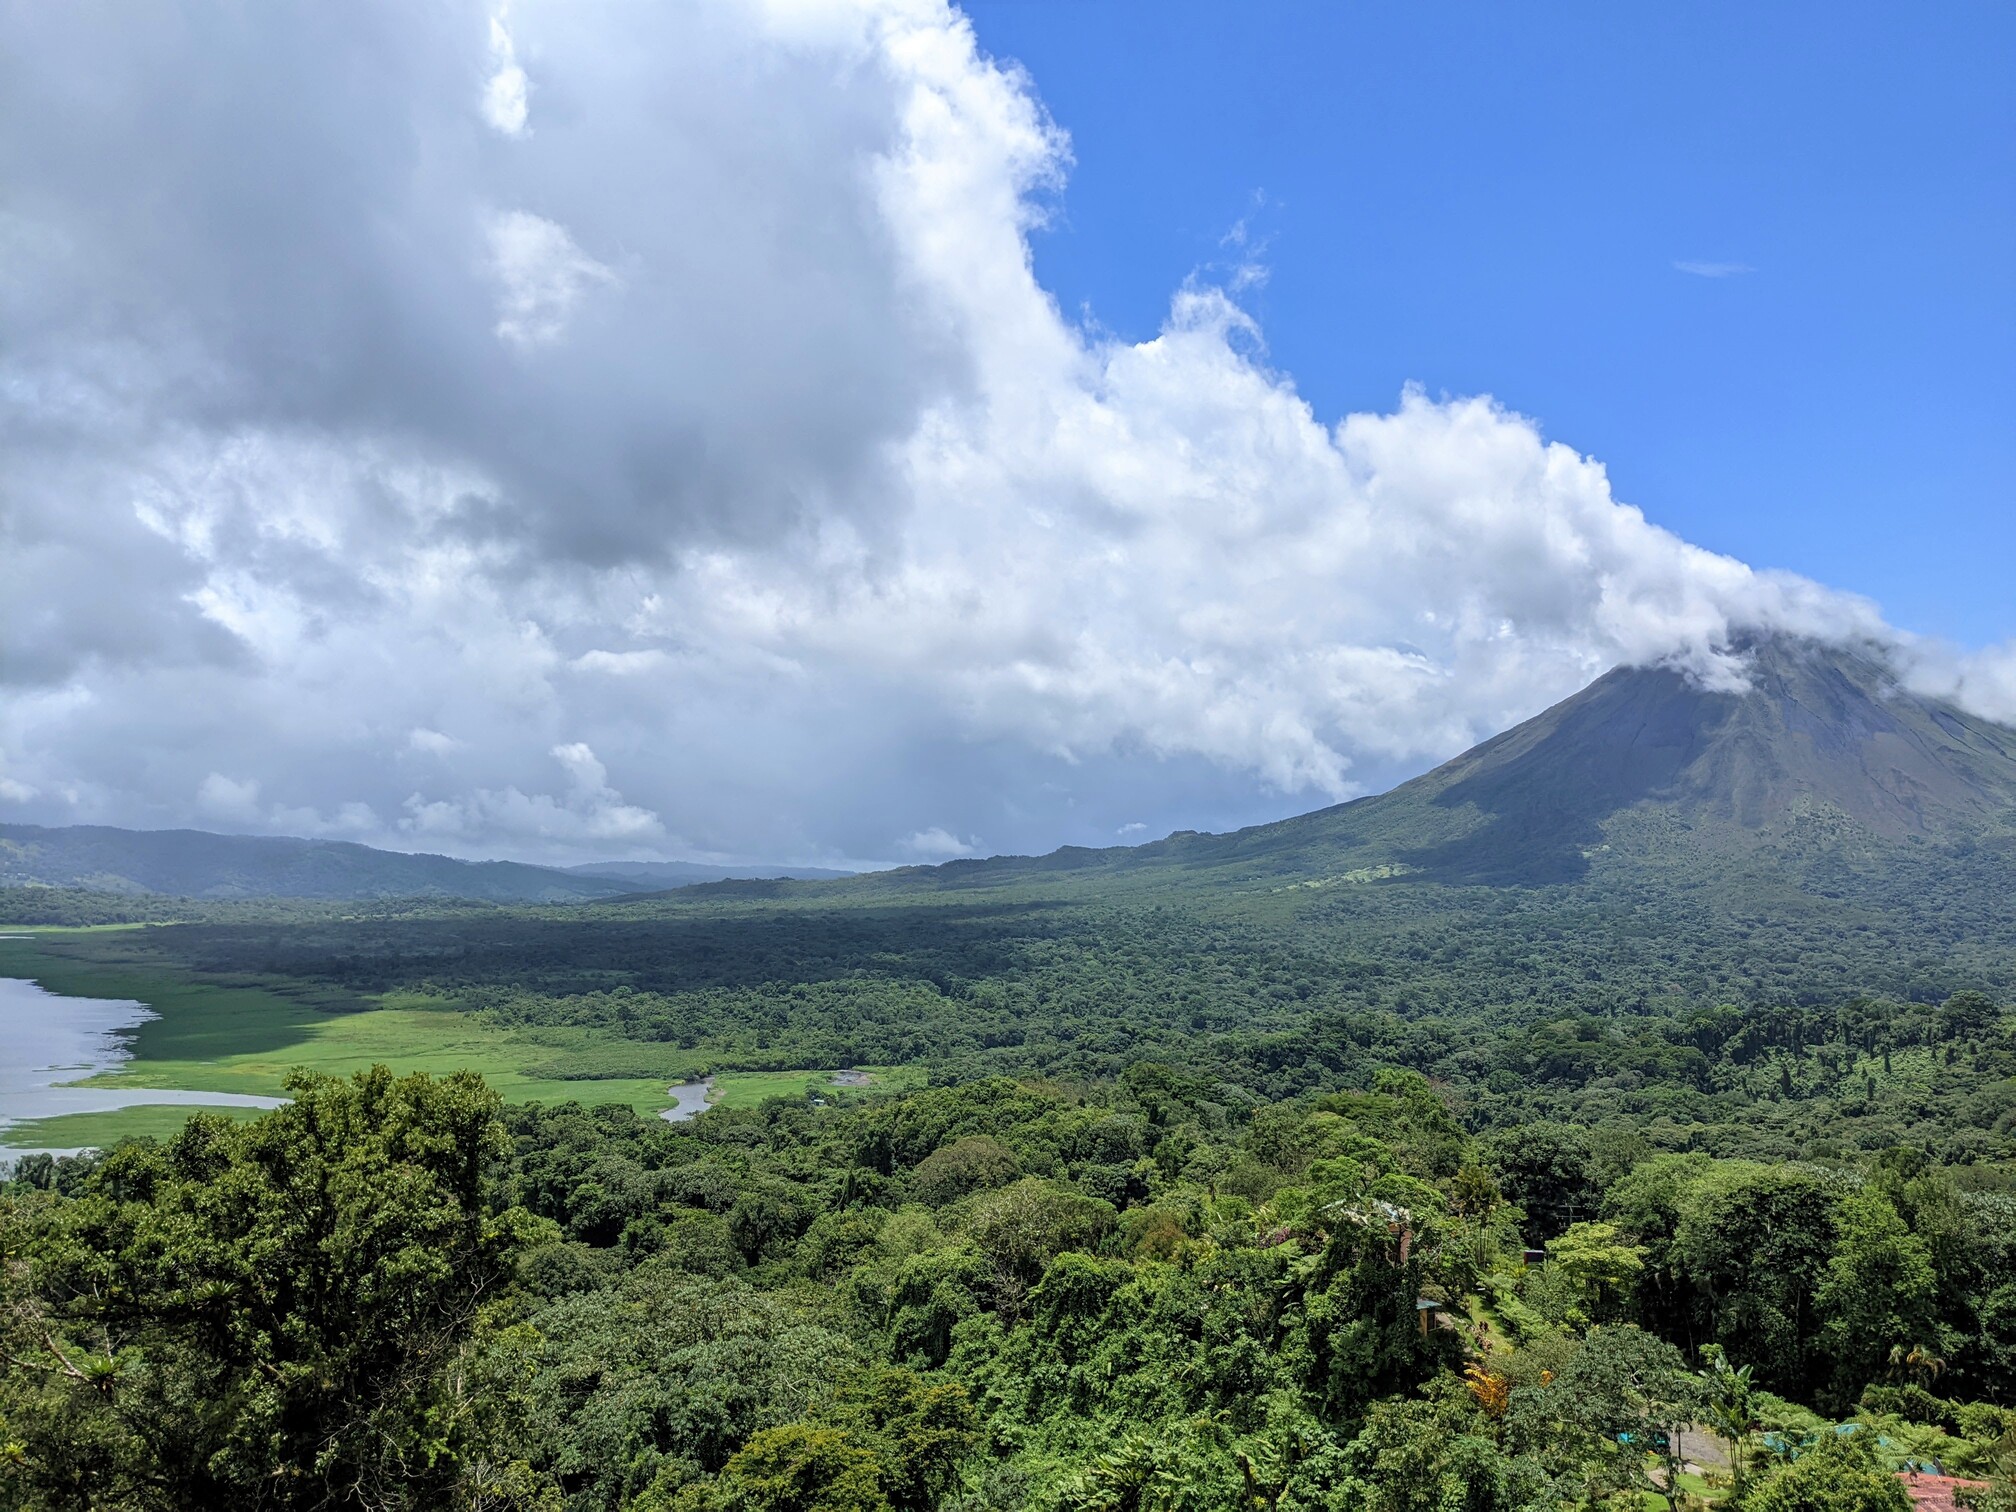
(1730, 1019)
(1150, 1292)
(1252, 1172)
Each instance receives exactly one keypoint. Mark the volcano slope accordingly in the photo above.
(1652, 891)
(1825, 758)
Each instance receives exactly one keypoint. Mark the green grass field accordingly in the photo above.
(77, 1131)
(1694, 1493)
(245, 1035)
(747, 1089)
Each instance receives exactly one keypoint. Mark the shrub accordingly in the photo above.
(1838, 1474)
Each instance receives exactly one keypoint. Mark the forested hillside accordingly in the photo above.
(197, 864)
(1149, 1293)
(1620, 1116)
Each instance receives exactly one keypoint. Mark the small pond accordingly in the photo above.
(689, 1100)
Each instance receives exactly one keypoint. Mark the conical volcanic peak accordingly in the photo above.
(1819, 722)
(1830, 726)
(1822, 729)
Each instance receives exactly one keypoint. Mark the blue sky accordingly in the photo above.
(1489, 198)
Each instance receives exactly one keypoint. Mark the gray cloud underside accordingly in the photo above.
(603, 430)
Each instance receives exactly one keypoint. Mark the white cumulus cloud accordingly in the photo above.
(505, 105)
(707, 458)
(936, 844)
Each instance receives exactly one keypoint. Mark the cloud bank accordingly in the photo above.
(587, 429)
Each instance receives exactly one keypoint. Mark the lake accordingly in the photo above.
(689, 1100)
(47, 1040)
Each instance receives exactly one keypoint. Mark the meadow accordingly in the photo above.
(86, 1131)
(751, 1089)
(247, 1034)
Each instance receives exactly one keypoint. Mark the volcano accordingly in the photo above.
(1825, 741)
(1826, 758)
(1826, 754)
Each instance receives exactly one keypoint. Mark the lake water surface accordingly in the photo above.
(47, 1040)
(689, 1100)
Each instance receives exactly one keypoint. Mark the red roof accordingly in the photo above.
(1934, 1493)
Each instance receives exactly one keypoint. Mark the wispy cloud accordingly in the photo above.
(1714, 269)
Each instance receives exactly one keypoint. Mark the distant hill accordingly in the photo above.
(196, 864)
(659, 876)
(1827, 749)
(1827, 759)
(1827, 776)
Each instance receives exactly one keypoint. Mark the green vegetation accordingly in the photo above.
(749, 1089)
(1563, 1131)
(1732, 1022)
(243, 1033)
(1132, 1294)
(255, 1310)
(199, 1021)
(1563, 1028)
(77, 1131)
(45, 909)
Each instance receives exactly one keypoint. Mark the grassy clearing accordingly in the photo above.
(1478, 1314)
(77, 1131)
(1695, 1493)
(407, 1035)
(244, 1035)
(746, 1089)
(247, 1035)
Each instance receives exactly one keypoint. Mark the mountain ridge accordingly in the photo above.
(204, 864)
(1826, 741)
(1822, 730)
(666, 875)
(201, 864)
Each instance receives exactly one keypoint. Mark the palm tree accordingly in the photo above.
(1732, 1410)
(1925, 1362)
(1919, 1362)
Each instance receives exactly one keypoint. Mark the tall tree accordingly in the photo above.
(1878, 1294)
(286, 1314)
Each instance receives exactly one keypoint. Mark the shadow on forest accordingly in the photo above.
(675, 951)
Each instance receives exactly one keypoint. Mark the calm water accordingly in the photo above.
(689, 1100)
(47, 1040)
